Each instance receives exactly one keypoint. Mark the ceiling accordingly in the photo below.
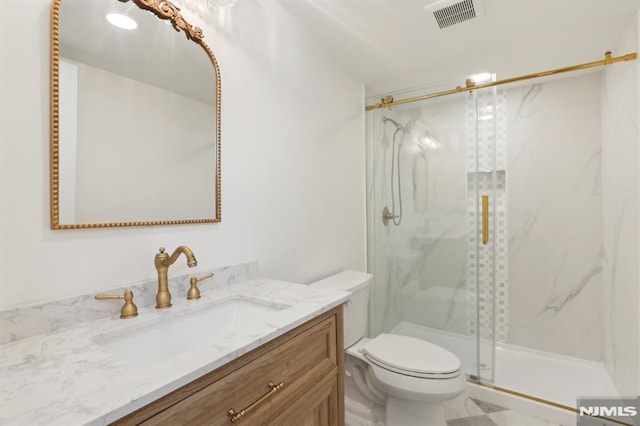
(395, 44)
(154, 53)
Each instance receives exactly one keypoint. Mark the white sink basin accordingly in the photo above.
(164, 340)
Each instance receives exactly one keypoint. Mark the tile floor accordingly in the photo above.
(465, 411)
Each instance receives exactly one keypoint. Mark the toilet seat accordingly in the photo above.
(403, 384)
(411, 357)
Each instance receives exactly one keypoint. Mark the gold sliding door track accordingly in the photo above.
(471, 378)
(470, 85)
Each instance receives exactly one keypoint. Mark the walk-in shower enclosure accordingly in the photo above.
(503, 226)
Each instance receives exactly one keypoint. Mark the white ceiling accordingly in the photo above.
(154, 53)
(394, 44)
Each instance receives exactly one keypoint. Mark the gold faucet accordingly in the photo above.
(162, 262)
(194, 291)
(129, 309)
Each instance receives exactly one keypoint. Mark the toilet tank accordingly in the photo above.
(356, 312)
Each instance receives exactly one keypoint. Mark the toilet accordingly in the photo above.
(391, 380)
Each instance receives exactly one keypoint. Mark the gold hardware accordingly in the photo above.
(165, 10)
(162, 263)
(236, 415)
(485, 219)
(384, 102)
(129, 309)
(194, 292)
(477, 381)
(469, 83)
(607, 61)
(607, 58)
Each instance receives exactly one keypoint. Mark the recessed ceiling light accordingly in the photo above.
(121, 21)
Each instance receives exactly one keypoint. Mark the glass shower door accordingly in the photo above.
(424, 206)
(486, 182)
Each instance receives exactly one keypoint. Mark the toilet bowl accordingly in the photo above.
(410, 378)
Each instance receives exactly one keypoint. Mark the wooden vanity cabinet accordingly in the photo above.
(307, 360)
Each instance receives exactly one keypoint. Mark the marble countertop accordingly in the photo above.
(68, 378)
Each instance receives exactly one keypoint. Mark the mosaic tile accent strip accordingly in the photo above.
(490, 150)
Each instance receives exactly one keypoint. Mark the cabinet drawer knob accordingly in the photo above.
(236, 415)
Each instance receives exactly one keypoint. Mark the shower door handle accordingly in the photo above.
(485, 219)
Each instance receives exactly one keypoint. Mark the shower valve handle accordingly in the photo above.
(387, 216)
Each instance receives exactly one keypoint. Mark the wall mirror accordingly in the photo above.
(135, 116)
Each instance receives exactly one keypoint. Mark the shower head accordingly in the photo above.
(399, 126)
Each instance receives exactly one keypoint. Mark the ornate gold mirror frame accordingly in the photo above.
(165, 10)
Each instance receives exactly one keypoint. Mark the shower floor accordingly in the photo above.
(552, 377)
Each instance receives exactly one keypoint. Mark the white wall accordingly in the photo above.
(156, 164)
(292, 166)
(67, 132)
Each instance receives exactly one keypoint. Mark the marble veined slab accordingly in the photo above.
(68, 377)
(30, 320)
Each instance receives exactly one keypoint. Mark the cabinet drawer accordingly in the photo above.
(298, 363)
(319, 406)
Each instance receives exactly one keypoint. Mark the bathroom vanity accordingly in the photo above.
(296, 379)
(259, 351)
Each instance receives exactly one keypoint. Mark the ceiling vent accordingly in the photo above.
(448, 13)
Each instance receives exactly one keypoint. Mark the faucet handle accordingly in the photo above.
(194, 292)
(129, 309)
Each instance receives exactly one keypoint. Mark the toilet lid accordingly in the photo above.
(411, 356)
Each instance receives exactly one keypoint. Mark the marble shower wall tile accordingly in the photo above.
(554, 137)
(408, 258)
(555, 216)
(555, 274)
(439, 299)
(621, 278)
(620, 159)
(620, 121)
(25, 321)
